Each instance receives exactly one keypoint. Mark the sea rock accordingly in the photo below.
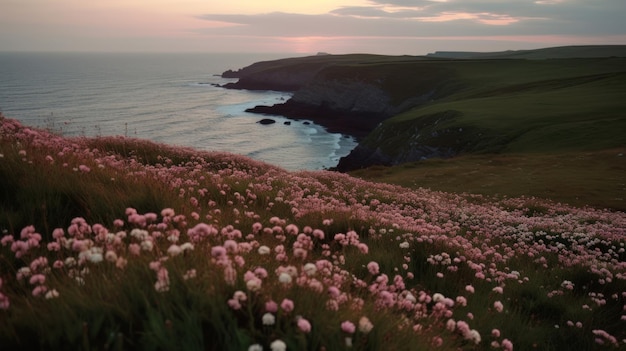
(266, 121)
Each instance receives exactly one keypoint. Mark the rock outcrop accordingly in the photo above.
(348, 107)
(413, 140)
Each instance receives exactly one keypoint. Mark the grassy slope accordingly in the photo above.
(577, 178)
(532, 127)
(114, 302)
(519, 106)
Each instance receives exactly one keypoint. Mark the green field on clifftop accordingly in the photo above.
(517, 106)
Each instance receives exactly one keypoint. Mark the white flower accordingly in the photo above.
(147, 245)
(438, 297)
(284, 278)
(255, 347)
(264, 250)
(96, 257)
(365, 326)
(190, 274)
(474, 335)
(268, 319)
(52, 294)
(348, 341)
(254, 284)
(174, 250)
(139, 234)
(310, 269)
(410, 297)
(186, 246)
(404, 245)
(278, 345)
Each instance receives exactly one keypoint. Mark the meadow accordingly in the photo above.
(115, 243)
(581, 178)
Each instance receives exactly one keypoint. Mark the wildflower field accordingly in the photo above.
(113, 243)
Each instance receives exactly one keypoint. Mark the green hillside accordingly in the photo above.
(546, 128)
(517, 106)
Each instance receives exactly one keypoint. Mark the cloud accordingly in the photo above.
(398, 18)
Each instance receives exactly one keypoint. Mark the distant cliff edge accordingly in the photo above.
(407, 108)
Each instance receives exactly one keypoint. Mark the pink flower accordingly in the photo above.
(4, 302)
(318, 234)
(39, 289)
(498, 306)
(287, 305)
(363, 248)
(304, 325)
(230, 275)
(134, 249)
(38, 279)
(54, 246)
(373, 268)
(469, 289)
(292, 229)
(218, 251)
(6, 240)
(271, 306)
(507, 345)
(495, 333)
(348, 327)
(234, 304)
(437, 341)
(58, 233)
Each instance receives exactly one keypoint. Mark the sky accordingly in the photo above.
(395, 27)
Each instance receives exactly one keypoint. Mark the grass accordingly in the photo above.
(145, 246)
(508, 106)
(593, 178)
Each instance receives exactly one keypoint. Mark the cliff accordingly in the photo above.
(407, 108)
(349, 94)
(348, 107)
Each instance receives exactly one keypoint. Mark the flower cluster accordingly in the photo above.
(290, 256)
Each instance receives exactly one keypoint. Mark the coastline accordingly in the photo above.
(356, 125)
(174, 100)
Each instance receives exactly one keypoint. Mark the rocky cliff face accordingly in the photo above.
(342, 106)
(346, 97)
(400, 142)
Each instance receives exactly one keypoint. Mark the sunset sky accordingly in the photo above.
(307, 26)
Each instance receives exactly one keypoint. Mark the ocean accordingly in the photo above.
(166, 98)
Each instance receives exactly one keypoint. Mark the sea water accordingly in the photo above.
(168, 98)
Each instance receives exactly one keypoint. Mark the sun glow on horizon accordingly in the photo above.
(278, 25)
